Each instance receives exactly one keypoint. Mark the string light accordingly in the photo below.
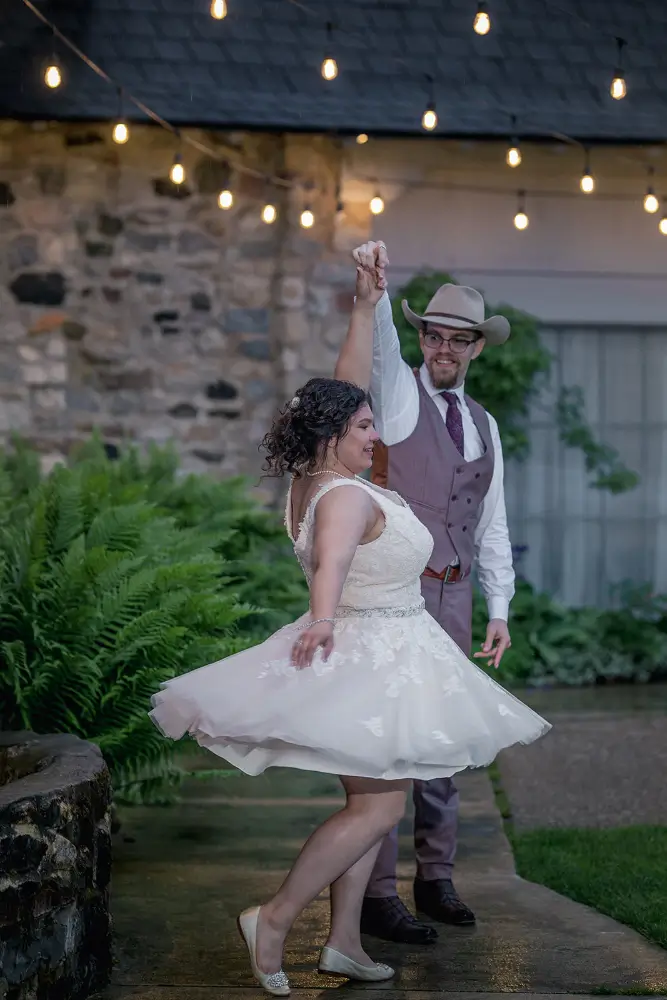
(513, 154)
(307, 219)
(225, 199)
(662, 225)
(376, 204)
(651, 203)
(269, 213)
(362, 138)
(482, 22)
(121, 132)
(587, 181)
(618, 88)
(177, 172)
(52, 76)
(430, 118)
(219, 9)
(521, 219)
(329, 64)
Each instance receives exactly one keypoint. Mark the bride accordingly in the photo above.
(366, 685)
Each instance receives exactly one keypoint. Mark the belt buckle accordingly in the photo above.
(449, 572)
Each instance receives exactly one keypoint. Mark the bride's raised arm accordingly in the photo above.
(355, 360)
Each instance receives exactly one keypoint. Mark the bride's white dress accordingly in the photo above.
(396, 699)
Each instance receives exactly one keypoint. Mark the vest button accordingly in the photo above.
(469, 500)
(464, 528)
(477, 475)
(450, 525)
(454, 497)
(459, 471)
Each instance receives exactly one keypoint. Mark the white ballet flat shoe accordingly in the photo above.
(333, 962)
(276, 983)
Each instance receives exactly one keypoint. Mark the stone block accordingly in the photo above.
(200, 302)
(192, 241)
(109, 225)
(221, 390)
(54, 811)
(96, 248)
(73, 330)
(247, 321)
(292, 293)
(39, 288)
(45, 373)
(148, 277)
(51, 179)
(28, 353)
(7, 198)
(22, 252)
(83, 399)
(147, 242)
(127, 378)
(258, 389)
(183, 411)
(50, 399)
(259, 350)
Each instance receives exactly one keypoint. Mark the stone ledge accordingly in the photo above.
(55, 868)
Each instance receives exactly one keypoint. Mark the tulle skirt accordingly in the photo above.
(396, 699)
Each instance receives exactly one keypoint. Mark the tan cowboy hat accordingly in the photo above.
(459, 308)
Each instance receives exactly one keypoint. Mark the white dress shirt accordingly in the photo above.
(395, 399)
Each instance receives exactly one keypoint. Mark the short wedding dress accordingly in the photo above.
(396, 699)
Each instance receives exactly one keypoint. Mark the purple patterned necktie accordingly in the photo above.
(454, 420)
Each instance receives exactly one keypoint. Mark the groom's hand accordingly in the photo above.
(373, 255)
(496, 643)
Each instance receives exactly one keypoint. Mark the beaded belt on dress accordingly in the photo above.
(345, 612)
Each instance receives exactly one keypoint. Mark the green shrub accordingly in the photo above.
(116, 576)
(555, 645)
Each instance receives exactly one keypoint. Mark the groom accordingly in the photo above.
(441, 451)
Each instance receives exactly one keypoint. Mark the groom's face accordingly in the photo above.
(448, 353)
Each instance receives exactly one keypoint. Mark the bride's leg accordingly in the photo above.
(347, 895)
(372, 808)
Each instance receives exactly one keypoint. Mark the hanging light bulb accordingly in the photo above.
(651, 203)
(225, 199)
(329, 64)
(307, 219)
(121, 133)
(362, 138)
(52, 76)
(177, 172)
(482, 22)
(377, 204)
(269, 213)
(587, 182)
(513, 156)
(618, 88)
(521, 218)
(662, 225)
(219, 9)
(430, 118)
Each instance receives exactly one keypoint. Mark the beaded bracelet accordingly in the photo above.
(318, 621)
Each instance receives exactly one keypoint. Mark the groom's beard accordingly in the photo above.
(448, 377)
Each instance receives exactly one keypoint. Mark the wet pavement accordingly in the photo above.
(602, 765)
(182, 875)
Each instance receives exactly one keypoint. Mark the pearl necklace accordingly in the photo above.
(328, 472)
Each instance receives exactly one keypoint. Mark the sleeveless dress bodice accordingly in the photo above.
(385, 573)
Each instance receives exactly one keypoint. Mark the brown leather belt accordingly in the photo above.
(451, 574)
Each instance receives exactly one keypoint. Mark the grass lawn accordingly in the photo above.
(621, 872)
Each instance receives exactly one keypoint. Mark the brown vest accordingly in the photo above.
(444, 491)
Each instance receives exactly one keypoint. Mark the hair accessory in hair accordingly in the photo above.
(294, 402)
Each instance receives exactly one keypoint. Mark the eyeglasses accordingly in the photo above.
(458, 345)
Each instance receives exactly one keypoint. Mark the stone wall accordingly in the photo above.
(144, 310)
(55, 867)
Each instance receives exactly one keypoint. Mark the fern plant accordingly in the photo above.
(101, 599)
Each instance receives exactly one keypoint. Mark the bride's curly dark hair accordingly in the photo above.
(319, 413)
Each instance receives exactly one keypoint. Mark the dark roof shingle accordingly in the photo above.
(547, 63)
